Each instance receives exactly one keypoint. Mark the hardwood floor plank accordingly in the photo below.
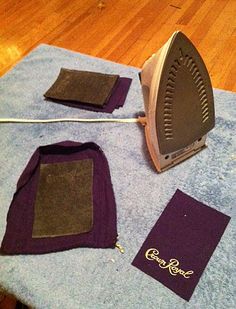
(165, 25)
(186, 18)
(208, 21)
(218, 46)
(109, 27)
(124, 31)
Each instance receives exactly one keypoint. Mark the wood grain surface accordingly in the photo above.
(123, 31)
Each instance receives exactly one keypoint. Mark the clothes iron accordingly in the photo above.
(178, 101)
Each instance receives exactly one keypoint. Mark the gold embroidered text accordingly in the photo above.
(152, 254)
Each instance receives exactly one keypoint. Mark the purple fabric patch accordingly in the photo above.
(116, 100)
(181, 243)
(18, 236)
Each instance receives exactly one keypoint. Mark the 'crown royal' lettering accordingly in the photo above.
(152, 254)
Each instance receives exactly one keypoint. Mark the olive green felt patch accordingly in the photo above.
(64, 199)
(82, 86)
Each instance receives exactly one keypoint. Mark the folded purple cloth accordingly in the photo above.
(103, 92)
(91, 88)
(181, 243)
(116, 100)
(18, 236)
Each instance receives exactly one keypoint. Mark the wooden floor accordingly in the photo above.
(125, 31)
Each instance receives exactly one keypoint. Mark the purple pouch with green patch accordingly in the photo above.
(92, 91)
(64, 199)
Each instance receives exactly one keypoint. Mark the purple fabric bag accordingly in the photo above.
(69, 78)
(180, 244)
(116, 100)
(18, 236)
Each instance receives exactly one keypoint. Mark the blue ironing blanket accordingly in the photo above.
(104, 278)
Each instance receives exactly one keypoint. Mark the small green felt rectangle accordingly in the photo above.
(82, 86)
(64, 199)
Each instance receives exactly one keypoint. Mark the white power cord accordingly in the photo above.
(18, 120)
